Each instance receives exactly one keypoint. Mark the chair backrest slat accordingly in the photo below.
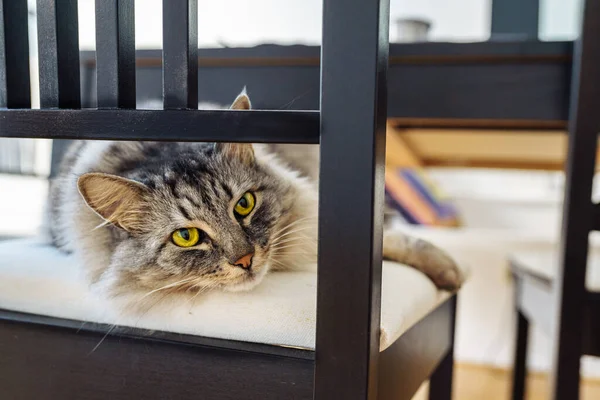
(58, 53)
(14, 55)
(58, 49)
(354, 59)
(115, 53)
(180, 54)
(578, 209)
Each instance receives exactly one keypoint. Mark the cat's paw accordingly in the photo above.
(440, 268)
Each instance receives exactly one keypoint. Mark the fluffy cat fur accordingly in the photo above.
(115, 206)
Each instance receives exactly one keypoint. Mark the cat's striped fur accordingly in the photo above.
(116, 204)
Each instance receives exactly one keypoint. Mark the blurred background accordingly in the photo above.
(481, 195)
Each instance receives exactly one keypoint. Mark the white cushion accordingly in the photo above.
(545, 264)
(36, 278)
(22, 204)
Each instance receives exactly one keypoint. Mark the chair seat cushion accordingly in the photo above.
(544, 263)
(36, 278)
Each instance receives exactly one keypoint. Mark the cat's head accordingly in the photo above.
(215, 216)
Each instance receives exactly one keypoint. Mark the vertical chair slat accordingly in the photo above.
(58, 43)
(180, 54)
(351, 194)
(578, 221)
(518, 19)
(15, 90)
(115, 53)
(58, 52)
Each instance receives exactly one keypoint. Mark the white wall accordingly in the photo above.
(452, 20)
(505, 212)
(559, 19)
(246, 23)
(485, 318)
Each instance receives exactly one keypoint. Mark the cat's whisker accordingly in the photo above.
(281, 229)
(299, 220)
(170, 285)
(201, 289)
(277, 237)
(294, 239)
(285, 247)
(292, 232)
(193, 301)
(291, 102)
(296, 253)
(290, 247)
(300, 242)
(81, 327)
(291, 265)
(299, 239)
(296, 221)
(195, 284)
(103, 338)
(279, 263)
(103, 224)
(295, 246)
(147, 310)
(302, 256)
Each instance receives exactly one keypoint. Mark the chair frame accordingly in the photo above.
(563, 306)
(45, 357)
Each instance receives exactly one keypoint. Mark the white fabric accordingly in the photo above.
(36, 278)
(545, 263)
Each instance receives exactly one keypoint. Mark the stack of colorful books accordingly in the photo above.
(418, 199)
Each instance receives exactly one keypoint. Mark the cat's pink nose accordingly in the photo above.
(245, 261)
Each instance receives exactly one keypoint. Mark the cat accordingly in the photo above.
(152, 219)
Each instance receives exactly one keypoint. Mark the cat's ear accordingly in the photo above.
(118, 200)
(241, 102)
(242, 151)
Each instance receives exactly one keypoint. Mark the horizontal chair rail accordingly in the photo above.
(164, 125)
(71, 364)
(284, 372)
(36, 320)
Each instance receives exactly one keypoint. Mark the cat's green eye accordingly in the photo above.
(245, 205)
(186, 237)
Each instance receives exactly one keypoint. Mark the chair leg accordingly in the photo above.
(520, 363)
(440, 383)
(565, 376)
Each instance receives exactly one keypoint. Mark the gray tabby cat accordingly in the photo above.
(151, 220)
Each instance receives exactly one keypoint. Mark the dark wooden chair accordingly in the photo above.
(557, 300)
(47, 357)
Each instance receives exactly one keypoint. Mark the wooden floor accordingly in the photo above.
(472, 382)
